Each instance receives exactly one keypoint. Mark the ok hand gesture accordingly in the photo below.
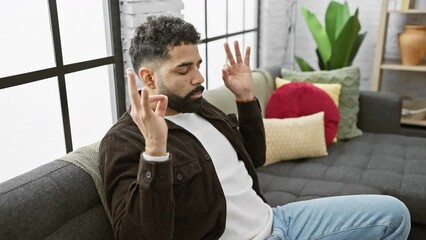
(151, 123)
(237, 75)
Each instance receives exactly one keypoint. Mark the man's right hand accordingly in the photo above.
(151, 123)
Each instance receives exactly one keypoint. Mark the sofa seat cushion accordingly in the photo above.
(373, 163)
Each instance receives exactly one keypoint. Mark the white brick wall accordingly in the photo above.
(282, 36)
(135, 12)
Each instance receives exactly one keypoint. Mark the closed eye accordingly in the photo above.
(183, 71)
(184, 67)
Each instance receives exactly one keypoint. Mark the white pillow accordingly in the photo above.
(295, 138)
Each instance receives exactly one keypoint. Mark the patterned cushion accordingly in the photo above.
(293, 138)
(349, 97)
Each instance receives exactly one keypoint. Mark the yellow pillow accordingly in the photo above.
(294, 138)
(332, 89)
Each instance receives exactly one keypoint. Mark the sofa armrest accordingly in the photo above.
(380, 112)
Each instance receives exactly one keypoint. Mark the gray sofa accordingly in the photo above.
(63, 199)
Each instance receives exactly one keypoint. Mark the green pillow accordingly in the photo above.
(349, 95)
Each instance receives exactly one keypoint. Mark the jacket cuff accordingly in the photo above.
(249, 109)
(154, 174)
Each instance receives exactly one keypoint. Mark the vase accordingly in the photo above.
(412, 44)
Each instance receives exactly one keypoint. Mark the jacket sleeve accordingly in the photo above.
(252, 131)
(139, 193)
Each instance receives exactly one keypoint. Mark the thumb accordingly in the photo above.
(225, 72)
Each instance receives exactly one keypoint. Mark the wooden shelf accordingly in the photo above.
(409, 11)
(418, 119)
(395, 64)
(380, 63)
(413, 121)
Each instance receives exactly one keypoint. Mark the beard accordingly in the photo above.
(184, 104)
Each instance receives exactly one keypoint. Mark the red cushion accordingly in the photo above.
(299, 99)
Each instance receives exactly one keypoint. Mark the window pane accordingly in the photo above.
(194, 13)
(250, 39)
(235, 16)
(216, 18)
(216, 60)
(26, 41)
(84, 30)
(89, 100)
(202, 51)
(250, 14)
(238, 38)
(31, 127)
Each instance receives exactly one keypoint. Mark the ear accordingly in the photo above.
(146, 75)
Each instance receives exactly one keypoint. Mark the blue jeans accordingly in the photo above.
(365, 217)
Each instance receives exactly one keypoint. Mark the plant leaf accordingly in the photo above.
(342, 48)
(336, 16)
(304, 66)
(355, 49)
(321, 64)
(319, 34)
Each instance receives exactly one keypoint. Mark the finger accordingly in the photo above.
(247, 56)
(146, 108)
(156, 98)
(237, 52)
(225, 72)
(226, 67)
(162, 105)
(225, 75)
(229, 54)
(133, 89)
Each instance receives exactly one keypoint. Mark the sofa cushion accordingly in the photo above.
(51, 201)
(263, 86)
(294, 138)
(373, 163)
(87, 158)
(301, 99)
(349, 77)
(332, 89)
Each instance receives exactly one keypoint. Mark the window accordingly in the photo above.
(61, 80)
(219, 21)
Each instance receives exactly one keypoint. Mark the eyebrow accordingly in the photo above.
(185, 64)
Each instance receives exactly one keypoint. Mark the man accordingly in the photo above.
(176, 167)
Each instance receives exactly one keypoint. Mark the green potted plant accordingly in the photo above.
(338, 42)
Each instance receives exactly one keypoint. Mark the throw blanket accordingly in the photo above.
(87, 159)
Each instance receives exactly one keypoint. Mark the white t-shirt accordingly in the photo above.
(247, 216)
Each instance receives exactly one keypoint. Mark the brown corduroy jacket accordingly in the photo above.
(180, 198)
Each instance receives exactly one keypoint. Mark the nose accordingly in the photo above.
(198, 78)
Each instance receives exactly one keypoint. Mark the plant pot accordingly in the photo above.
(412, 44)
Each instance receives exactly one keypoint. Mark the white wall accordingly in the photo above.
(275, 31)
(284, 35)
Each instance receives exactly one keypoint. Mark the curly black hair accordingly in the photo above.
(152, 39)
